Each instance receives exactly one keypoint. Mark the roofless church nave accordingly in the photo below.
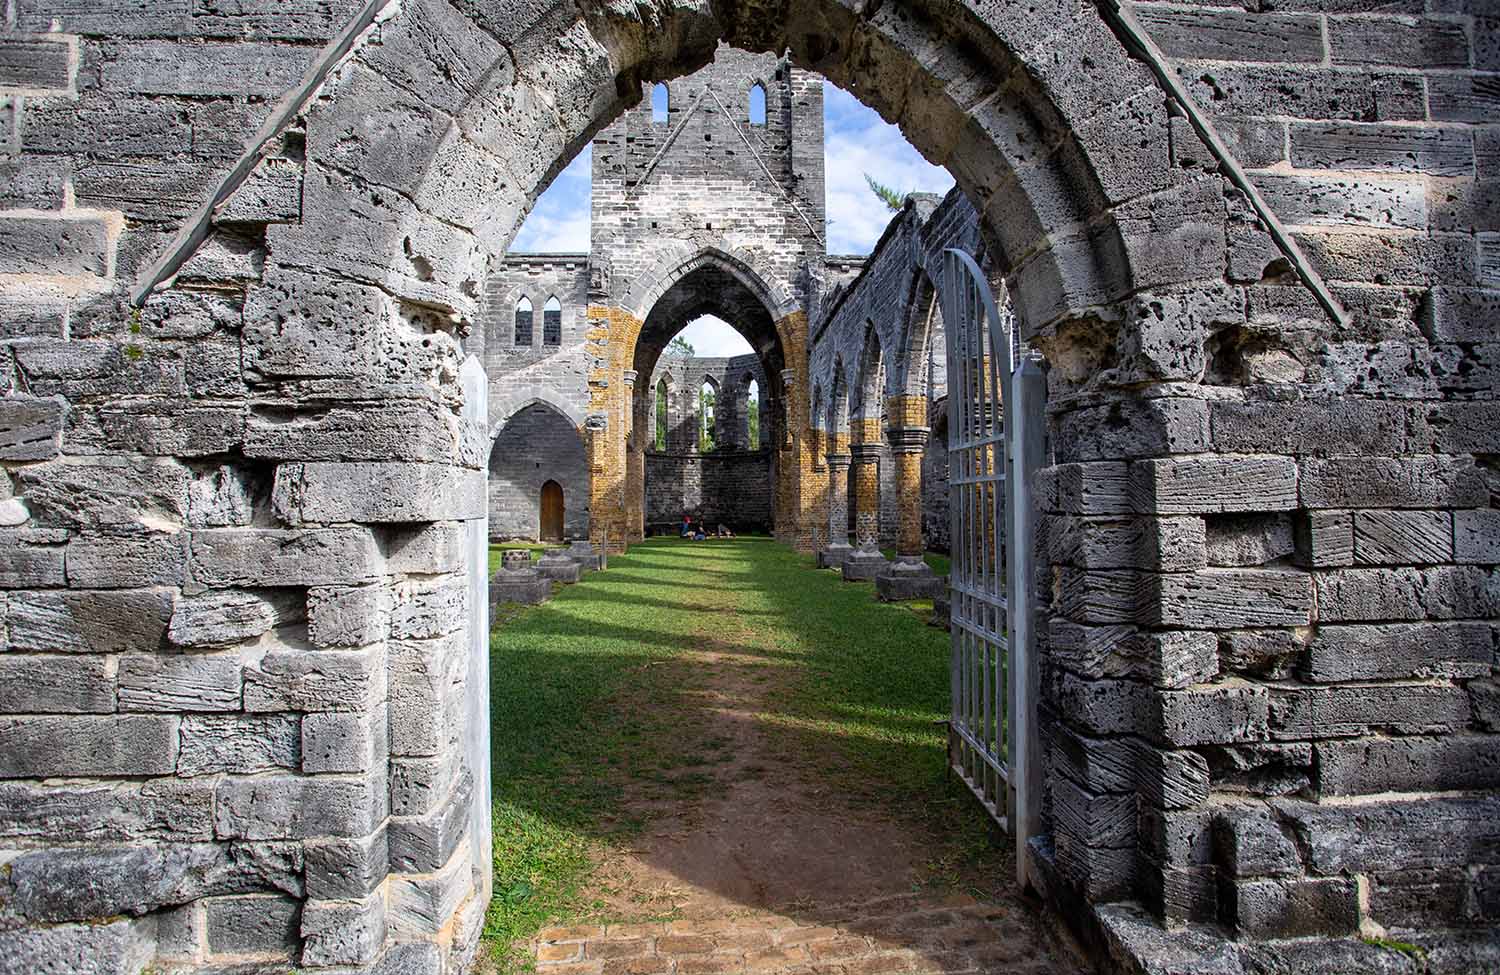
(267, 369)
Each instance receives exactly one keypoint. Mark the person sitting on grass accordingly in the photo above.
(700, 536)
(724, 531)
(687, 527)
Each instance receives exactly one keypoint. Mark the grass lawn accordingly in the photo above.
(591, 704)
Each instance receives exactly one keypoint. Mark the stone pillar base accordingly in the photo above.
(835, 555)
(864, 564)
(585, 554)
(525, 586)
(909, 577)
(558, 566)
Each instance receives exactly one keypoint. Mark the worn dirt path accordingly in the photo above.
(772, 866)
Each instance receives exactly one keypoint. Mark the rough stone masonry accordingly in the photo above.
(246, 247)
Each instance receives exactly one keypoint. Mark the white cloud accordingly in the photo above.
(857, 142)
(559, 223)
(715, 338)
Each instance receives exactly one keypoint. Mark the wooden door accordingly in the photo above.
(552, 512)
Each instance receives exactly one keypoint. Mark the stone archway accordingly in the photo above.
(536, 446)
(332, 416)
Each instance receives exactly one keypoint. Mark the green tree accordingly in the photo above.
(753, 406)
(680, 346)
(706, 419)
(893, 199)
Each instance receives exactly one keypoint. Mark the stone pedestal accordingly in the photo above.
(942, 608)
(559, 566)
(909, 577)
(585, 554)
(518, 581)
(864, 564)
(835, 555)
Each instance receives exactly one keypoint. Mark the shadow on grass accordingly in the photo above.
(598, 718)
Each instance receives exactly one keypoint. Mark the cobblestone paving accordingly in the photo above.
(915, 934)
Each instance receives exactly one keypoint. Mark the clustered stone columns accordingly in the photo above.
(635, 462)
(909, 576)
(865, 562)
(838, 549)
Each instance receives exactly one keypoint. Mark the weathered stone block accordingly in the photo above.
(343, 932)
(1224, 713)
(1206, 485)
(220, 618)
(1128, 429)
(32, 557)
(1248, 540)
(126, 561)
(1398, 651)
(227, 496)
(1233, 35)
(36, 64)
(1455, 592)
(1366, 766)
(426, 686)
(88, 622)
(1168, 779)
(1294, 908)
(54, 246)
(1104, 707)
(1403, 537)
(1101, 488)
(241, 744)
(189, 682)
(420, 784)
(432, 608)
(275, 557)
(1357, 595)
(424, 903)
(414, 431)
(1336, 712)
(31, 427)
(1373, 427)
(348, 617)
(1100, 597)
(1103, 820)
(430, 550)
(343, 742)
(157, 428)
(1342, 145)
(1170, 659)
(377, 492)
(1325, 539)
(1224, 599)
(42, 747)
(291, 807)
(290, 679)
(253, 924)
(1485, 696)
(1164, 544)
(423, 844)
(1249, 842)
(205, 70)
(1393, 834)
(347, 869)
(119, 947)
(1476, 536)
(47, 684)
(173, 809)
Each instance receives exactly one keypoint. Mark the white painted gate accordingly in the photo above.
(996, 431)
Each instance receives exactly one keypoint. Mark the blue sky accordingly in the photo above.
(856, 142)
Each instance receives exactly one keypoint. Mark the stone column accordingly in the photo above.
(635, 462)
(865, 562)
(909, 576)
(838, 549)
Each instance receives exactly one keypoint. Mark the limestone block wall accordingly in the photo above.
(535, 446)
(732, 488)
(538, 372)
(730, 378)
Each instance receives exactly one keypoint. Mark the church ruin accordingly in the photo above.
(261, 343)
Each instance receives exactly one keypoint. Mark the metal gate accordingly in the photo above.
(995, 441)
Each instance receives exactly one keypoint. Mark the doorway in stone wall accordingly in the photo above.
(552, 512)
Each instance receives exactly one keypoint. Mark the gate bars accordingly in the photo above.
(996, 433)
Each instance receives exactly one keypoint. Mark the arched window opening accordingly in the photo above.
(752, 415)
(707, 402)
(662, 400)
(660, 102)
(552, 322)
(523, 322)
(757, 104)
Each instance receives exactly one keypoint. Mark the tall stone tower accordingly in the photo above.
(713, 172)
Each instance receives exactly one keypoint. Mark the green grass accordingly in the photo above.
(593, 703)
